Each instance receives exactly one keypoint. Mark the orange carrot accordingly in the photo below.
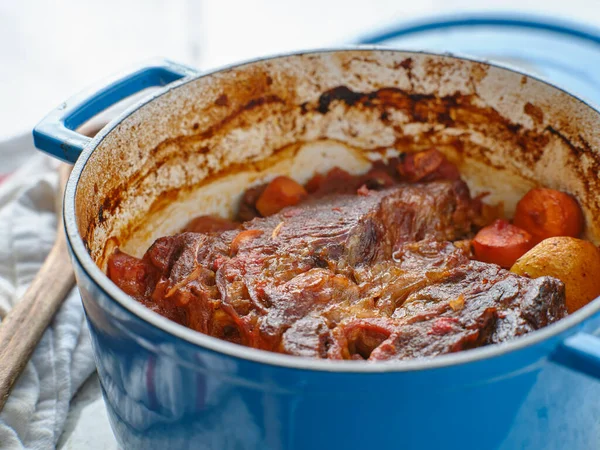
(548, 213)
(278, 194)
(501, 243)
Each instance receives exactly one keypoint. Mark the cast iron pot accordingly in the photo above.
(193, 146)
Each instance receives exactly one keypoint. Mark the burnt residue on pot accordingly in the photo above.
(458, 111)
(587, 164)
(535, 112)
(453, 111)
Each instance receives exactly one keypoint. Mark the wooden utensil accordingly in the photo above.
(24, 325)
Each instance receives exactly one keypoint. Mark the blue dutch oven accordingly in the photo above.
(192, 146)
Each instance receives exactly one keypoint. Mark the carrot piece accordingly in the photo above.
(501, 243)
(548, 213)
(278, 194)
(427, 165)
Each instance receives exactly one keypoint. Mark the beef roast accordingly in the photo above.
(370, 275)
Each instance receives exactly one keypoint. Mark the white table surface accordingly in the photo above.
(51, 50)
(87, 425)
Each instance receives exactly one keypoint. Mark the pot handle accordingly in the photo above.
(580, 352)
(56, 134)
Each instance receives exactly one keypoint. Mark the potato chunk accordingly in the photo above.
(573, 261)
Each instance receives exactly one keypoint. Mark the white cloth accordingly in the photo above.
(35, 413)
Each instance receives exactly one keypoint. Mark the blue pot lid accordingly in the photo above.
(566, 54)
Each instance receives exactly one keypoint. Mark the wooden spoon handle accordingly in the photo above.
(24, 325)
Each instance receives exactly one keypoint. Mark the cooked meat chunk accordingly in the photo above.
(473, 305)
(309, 336)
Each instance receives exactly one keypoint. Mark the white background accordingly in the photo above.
(50, 50)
